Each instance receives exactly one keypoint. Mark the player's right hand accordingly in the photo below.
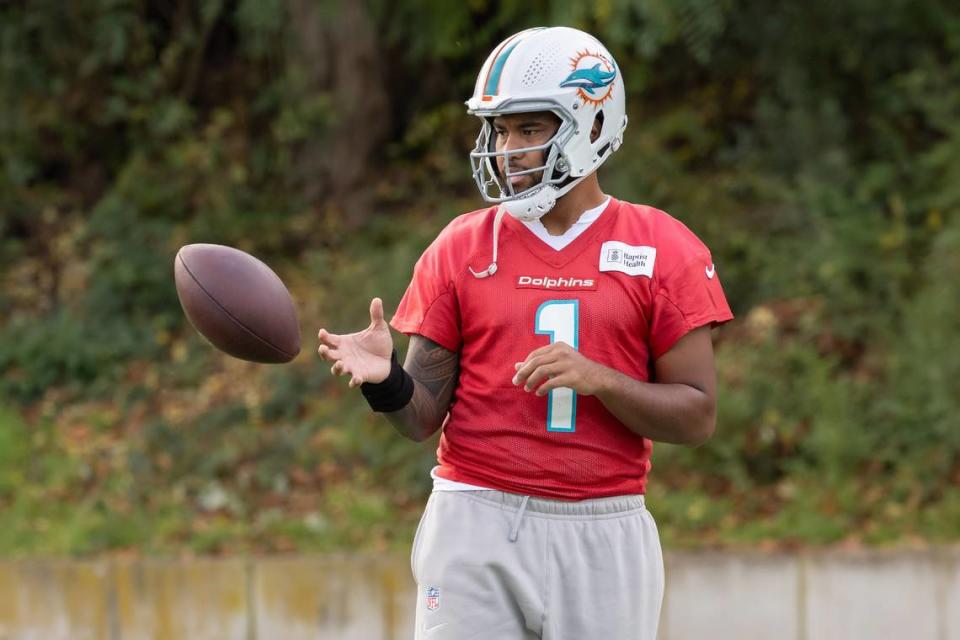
(364, 355)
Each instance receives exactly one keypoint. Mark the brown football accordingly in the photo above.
(237, 303)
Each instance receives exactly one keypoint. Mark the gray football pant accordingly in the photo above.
(498, 566)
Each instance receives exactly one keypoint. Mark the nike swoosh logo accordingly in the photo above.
(710, 271)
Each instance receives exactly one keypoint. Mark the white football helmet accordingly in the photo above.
(557, 69)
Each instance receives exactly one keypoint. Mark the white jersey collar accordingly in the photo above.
(583, 222)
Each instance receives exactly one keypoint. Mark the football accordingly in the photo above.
(237, 303)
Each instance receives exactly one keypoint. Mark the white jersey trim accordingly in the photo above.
(571, 234)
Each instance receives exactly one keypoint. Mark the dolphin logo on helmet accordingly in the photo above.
(590, 79)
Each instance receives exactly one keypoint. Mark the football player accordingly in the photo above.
(553, 336)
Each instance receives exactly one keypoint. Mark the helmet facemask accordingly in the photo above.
(495, 186)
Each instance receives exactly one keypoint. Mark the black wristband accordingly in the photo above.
(392, 394)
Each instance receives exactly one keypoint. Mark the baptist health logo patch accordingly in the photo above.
(628, 259)
(433, 598)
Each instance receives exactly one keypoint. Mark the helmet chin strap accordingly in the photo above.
(528, 209)
(492, 269)
(534, 206)
(539, 203)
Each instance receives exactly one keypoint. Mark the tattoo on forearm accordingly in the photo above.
(434, 370)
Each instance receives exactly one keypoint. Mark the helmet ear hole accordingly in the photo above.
(597, 127)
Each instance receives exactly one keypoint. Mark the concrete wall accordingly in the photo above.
(745, 596)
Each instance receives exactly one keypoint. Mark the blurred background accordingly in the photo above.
(814, 146)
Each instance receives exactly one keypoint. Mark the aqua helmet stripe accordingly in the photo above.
(493, 80)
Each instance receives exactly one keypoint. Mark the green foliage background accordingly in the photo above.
(814, 146)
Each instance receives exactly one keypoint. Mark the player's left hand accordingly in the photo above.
(558, 365)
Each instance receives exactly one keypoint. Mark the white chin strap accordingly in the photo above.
(538, 203)
(534, 206)
(492, 269)
(528, 209)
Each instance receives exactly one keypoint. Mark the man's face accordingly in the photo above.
(520, 131)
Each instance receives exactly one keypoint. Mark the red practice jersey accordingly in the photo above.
(622, 293)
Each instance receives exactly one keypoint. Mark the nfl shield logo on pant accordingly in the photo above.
(433, 598)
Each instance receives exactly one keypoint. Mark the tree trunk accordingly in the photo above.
(339, 48)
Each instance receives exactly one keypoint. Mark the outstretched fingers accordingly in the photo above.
(340, 368)
(328, 354)
(329, 339)
(351, 354)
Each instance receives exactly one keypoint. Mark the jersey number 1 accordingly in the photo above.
(560, 319)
